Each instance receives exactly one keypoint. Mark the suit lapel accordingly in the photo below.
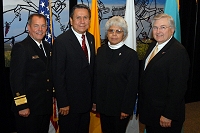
(77, 46)
(159, 55)
(37, 50)
(151, 46)
(41, 54)
(90, 45)
(47, 51)
(149, 50)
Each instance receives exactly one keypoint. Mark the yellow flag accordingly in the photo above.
(178, 4)
(95, 126)
(94, 24)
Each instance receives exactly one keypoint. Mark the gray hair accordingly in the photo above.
(163, 15)
(117, 21)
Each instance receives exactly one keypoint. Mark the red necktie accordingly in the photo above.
(84, 46)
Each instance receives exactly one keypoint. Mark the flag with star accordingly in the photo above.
(45, 9)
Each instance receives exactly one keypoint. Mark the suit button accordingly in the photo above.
(47, 80)
(47, 89)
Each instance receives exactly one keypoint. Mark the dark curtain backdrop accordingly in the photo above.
(190, 35)
(6, 116)
(189, 17)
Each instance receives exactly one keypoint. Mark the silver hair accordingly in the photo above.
(117, 21)
(163, 15)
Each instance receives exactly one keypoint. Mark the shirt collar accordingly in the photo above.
(163, 44)
(116, 46)
(37, 42)
(77, 34)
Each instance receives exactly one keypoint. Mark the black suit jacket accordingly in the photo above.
(116, 80)
(30, 77)
(73, 75)
(163, 84)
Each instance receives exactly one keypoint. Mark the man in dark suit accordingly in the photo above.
(30, 79)
(163, 80)
(73, 72)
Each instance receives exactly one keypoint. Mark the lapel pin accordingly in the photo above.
(120, 54)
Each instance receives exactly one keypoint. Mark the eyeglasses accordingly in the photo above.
(111, 31)
(162, 28)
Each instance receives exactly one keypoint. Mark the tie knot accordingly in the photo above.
(41, 47)
(83, 37)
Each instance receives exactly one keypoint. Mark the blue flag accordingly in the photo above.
(45, 10)
(171, 8)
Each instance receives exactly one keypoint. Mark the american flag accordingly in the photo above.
(45, 10)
